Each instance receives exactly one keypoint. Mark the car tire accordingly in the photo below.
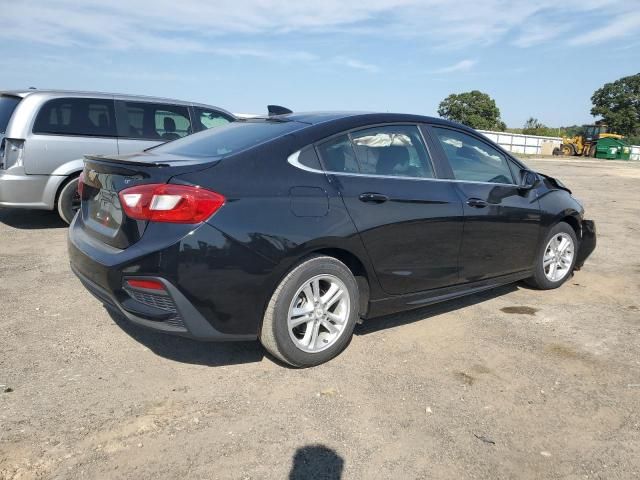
(552, 267)
(68, 200)
(326, 328)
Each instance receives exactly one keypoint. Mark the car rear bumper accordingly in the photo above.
(18, 190)
(587, 242)
(169, 310)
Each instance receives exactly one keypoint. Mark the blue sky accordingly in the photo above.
(539, 58)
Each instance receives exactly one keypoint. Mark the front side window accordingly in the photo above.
(206, 119)
(153, 121)
(76, 116)
(473, 160)
(392, 150)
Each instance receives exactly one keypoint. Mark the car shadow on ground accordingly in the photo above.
(30, 219)
(185, 350)
(399, 319)
(215, 354)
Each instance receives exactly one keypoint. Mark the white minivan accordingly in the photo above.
(44, 135)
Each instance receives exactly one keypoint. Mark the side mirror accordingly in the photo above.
(529, 179)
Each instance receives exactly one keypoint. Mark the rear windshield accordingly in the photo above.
(7, 106)
(228, 139)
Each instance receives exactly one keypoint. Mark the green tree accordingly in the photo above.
(532, 125)
(619, 105)
(474, 109)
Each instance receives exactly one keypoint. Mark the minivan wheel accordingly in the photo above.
(556, 258)
(312, 313)
(69, 200)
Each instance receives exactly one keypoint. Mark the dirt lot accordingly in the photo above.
(510, 383)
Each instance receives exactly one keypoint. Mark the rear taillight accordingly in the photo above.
(81, 184)
(170, 203)
(13, 152)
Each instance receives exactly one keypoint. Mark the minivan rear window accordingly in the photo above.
(91, 117)
(7, 106)
(228, 139)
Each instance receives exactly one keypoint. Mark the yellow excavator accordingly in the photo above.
(586, 144)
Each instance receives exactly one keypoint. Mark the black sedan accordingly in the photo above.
(288, 229)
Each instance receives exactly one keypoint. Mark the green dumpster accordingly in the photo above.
(613, 149)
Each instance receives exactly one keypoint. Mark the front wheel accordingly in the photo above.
(69, 200)
(312, 313)
(556, 258)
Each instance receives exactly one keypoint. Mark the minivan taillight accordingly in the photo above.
(81, 184)
(170, 203)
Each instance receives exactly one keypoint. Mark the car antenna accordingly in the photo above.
(277, 110)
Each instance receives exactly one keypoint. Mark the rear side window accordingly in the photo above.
(206, 119)
(338, 155)
(153, 121)
(392, 150)
(7, 106)
(76, 116)
(229, 139)
(471, 159)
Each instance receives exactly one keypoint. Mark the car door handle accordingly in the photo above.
(476, 203)
(373, 197)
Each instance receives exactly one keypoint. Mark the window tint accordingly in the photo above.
(395, 150)
(309, 158)
(473, 160)
(153, 121)
(205, 119)
(7, 106)
(228, 139)
(338, 155)
(77, 116)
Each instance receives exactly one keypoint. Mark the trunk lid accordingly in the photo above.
(104, 177)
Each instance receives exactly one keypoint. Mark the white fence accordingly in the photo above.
(635, 152)
(519, 143)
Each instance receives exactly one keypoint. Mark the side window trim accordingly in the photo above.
(481, 140)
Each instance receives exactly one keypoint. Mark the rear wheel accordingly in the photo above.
(592, 150)
(556, 258)
(312, 313)
(69, 200)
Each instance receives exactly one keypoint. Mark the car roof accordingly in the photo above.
(315, 118)
(53, 93)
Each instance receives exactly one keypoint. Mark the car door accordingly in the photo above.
(501, 220)
(410, 223)
(142, 125)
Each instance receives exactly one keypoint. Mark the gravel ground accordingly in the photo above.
(511, 383)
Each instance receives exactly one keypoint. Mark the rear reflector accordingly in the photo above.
(148, 284)
(170, 203)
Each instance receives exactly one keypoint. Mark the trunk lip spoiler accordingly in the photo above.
(178, 162)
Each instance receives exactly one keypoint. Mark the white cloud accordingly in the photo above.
(620, 27)
(356, 64)
(461, 66)
(212, 26)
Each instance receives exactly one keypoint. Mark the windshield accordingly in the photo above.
(7, 106)
(228, 139)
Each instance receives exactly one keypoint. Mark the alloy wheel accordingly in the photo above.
(558, 257)
(318, 313)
